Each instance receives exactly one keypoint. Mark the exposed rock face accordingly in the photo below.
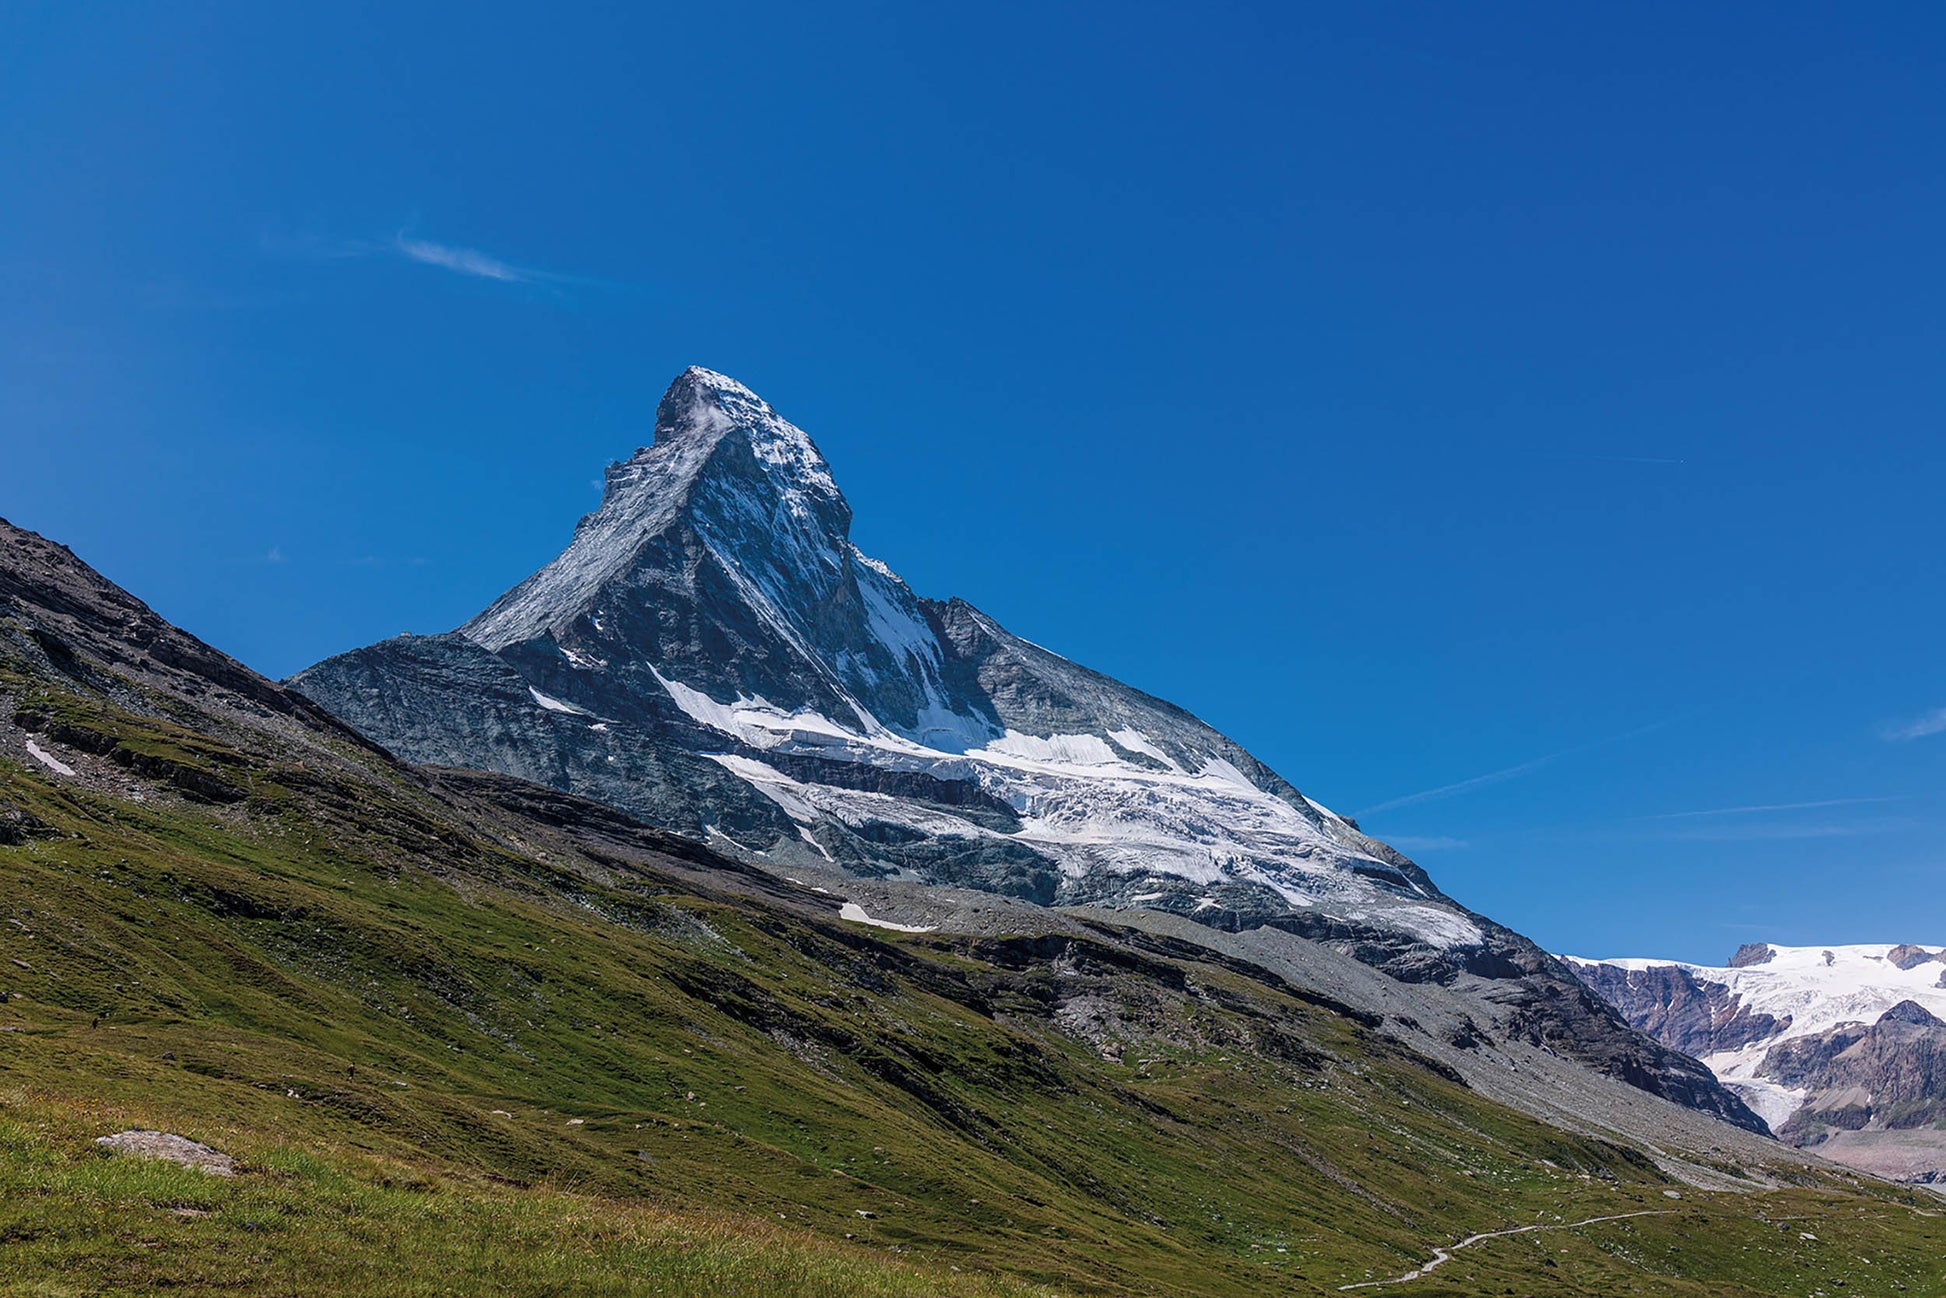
(1752, 953)
(445, 701)
(1687, 1013)
(1836, 1047)
(712, 654)
(80, 624)
(1888, 1076)
(17, 826)
(1913, 1013)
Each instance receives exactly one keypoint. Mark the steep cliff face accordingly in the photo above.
(712, 654)
(1681, 1010)
(1884, 1076)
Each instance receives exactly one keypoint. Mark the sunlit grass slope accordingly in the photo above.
(459, 1047)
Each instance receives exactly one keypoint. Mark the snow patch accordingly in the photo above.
(1441, 928)
(1137, 742)
(773, 784)
(49, 760)
(940, 728)
(754, 719)
(856, 913)
(1060, 750)
(553, 704)
(893, 622)
(1767, 1099)
(1216, 768)
(1321, 809)
(700, 707)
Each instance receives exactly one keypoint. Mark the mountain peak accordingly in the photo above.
(696, 412)
(724, 468)
(1911, 1012)
(715, 379)
(705, 402)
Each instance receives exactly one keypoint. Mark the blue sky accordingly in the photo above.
(1518, 424)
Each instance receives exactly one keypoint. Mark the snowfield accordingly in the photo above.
(1090, 810)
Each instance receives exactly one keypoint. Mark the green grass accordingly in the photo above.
(73, 1221)
(529, 1064)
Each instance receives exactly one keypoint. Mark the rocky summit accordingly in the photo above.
(711, 654)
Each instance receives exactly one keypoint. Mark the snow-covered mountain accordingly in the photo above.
(716, 598)
(1830, 1045)
(712, 654)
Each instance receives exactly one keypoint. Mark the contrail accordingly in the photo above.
(1767, 806)
(1506, 773)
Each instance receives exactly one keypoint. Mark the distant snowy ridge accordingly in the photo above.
(1818, 987)
(1778, 994)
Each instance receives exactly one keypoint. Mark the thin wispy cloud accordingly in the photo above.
(1459, 786)
(1590, 457)
(271, 558)
(1763, 807)
(1776, 822)
(1774, 832)
(465, 261)
(455, 258)
(1499, 776)
(1933, 723)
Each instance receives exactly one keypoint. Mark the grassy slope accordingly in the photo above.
(342, 977)
(300, 1223)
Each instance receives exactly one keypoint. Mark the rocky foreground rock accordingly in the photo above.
(169, 1148)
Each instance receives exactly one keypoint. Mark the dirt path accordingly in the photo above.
(1440, 1256)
